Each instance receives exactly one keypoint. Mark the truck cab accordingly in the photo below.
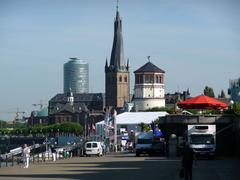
(144, 143)
(148, 143)
(202, 139)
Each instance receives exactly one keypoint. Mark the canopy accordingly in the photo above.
(137, 117)
(202, 102)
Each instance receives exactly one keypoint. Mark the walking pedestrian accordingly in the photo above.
(187, 162)
(54, 153)
(26, 156)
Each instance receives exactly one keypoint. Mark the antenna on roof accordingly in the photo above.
(148, 57)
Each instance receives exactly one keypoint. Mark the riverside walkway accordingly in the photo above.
(122, 166)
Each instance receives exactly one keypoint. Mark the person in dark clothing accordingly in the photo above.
(187, 162)
(54, 153)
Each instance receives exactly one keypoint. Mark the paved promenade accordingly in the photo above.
(123, 166)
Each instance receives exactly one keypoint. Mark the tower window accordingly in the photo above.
(120, 79)
(161, 79)
(139, 79)
(149, 78)
(125, 79)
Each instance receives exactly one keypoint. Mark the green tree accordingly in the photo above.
(222, 95)
(144, 127)
(208, 91)
(3, 124)
(70, 127)
(236, 108)
(155, 109)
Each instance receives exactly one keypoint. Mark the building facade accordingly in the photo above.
(149, 90)
(76, 76)
(83, 108)
(117, 79)
(234, 90)
(38, 117)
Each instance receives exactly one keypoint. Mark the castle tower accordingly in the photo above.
(117, 72)
(149, 87)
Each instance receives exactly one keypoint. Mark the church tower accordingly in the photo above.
(117, 72)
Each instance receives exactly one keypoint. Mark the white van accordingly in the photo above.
(93, 148)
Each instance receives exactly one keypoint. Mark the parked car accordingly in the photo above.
(93, 148)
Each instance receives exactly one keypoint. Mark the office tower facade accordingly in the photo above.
(76, 76)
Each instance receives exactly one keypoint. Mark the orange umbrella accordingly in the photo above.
(202, 102)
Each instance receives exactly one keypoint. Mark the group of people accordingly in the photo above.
(26, 155)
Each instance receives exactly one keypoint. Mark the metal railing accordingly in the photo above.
(39, 154)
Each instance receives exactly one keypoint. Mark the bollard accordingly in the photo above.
(12, 160)
(43, 157)
(6, 161)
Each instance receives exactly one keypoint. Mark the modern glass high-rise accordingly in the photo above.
(234, 90)
(76, 76)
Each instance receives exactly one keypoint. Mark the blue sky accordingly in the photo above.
(197, 43)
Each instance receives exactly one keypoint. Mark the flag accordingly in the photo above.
(93, 127)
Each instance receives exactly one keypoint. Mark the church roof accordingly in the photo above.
(149, 67)
(76, 108)
(117, 60)
(92, 101)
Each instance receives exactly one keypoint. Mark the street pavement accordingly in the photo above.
(123, 166)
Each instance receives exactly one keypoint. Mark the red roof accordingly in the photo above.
(202, 102)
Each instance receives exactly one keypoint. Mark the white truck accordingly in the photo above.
(202, 139)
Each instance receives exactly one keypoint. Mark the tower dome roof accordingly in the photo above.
(149, 67)
(43, 112)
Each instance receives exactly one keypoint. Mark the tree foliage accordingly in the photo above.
(222, 94)
(68, 127)
(144, 127)
(3, 124)
(155, 109)
(208, 91)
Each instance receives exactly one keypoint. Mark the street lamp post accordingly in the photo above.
(114, 113)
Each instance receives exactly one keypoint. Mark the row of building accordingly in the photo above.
(76, 104)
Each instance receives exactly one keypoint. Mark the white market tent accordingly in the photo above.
(131, 120)
(137, 117)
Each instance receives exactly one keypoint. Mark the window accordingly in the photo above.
(59, 119)
(149, 78)
(88, 145)
(141, 79)
(125, 79)
(161, 79)
(138, 79)
(120, 79)
(157, 79)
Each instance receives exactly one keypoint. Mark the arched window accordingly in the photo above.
(120, 78)
(161, 79)
(125, 79)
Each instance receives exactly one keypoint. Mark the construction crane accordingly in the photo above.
(17, 115)
(40, 104)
